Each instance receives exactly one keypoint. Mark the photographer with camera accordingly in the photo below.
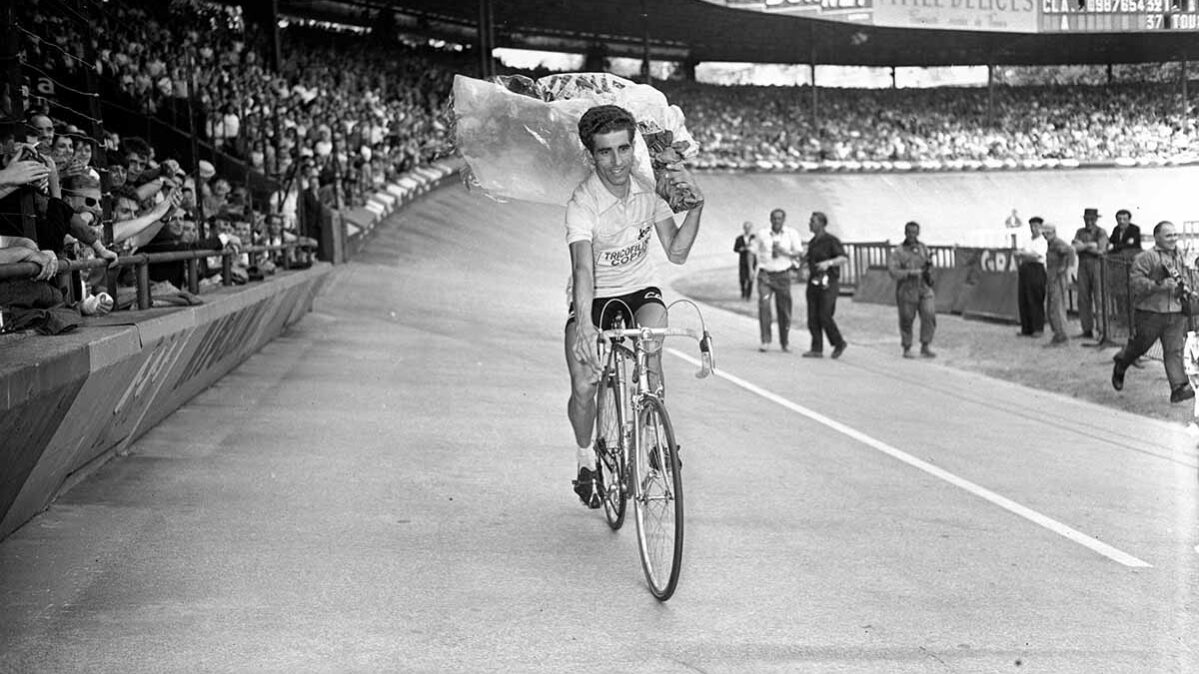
(1162, 296)
(910, 264)
(825, 257)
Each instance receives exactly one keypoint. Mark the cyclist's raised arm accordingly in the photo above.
(583, 293)
(678, 239)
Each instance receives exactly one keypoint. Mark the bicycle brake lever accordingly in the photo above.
(706, 356)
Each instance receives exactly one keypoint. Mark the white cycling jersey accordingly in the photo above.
(619, 230)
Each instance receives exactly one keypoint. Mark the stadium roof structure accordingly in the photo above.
(702, 31)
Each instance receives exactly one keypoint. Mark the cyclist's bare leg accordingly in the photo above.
(653, 316)
(580, 409)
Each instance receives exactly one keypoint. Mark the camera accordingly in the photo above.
(30, 154)
(1183, 291)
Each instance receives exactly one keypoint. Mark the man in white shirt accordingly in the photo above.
(1030, 293)
(609, 220)
(779, 248)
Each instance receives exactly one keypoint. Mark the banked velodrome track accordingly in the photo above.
(386, 488)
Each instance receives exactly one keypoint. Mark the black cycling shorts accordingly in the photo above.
(604, 310)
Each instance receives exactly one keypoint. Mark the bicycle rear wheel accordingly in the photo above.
(610, 443)
(658, 499)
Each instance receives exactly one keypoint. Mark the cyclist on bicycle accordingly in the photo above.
(609, 219)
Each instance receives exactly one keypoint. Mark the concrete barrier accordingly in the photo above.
(952, 289)
(68, 400)
(993, 297)
(875, 286)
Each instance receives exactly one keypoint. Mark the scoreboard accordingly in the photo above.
(1013, 16)
(1120, 16)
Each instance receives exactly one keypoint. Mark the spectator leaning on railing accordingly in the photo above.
(29, 173)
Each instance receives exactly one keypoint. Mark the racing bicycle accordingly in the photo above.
(636, 451)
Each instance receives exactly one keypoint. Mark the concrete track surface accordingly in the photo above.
(386, 488)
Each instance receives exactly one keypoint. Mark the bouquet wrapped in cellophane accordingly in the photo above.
(520, 137)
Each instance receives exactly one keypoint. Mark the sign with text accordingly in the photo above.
(1012, 16)
(1004, 16)
(1008, 16)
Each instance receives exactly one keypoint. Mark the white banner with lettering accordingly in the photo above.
(1009, 16)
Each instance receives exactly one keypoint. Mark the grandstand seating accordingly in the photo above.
(344, 115)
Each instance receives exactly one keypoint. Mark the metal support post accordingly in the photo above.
(1185, 107)
(990, 95)
(812, 64)
(646, 73)
(201, 224)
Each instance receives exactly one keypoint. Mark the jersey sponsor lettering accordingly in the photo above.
(616, 258)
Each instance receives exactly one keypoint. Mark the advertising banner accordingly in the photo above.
(1008, 16)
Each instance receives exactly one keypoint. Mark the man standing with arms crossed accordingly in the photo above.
(778, 250)
(1090, 244)
(1123, 246)
(609, 220)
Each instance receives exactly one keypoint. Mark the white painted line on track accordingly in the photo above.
(982, 492)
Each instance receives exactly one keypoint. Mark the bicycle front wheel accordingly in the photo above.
(610, 445)
(658, 499)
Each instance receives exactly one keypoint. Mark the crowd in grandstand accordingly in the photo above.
(772, 127)
(335, 121)
(339, 115)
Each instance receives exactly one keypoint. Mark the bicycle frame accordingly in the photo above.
(631, 396)
(646, 468)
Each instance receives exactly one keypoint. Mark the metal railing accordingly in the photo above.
(866, 254)
(141, 264)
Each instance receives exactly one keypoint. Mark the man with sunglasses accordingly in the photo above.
(82, 193)
(130, 227)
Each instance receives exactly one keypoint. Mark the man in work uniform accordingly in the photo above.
(1058, 257)
(910, 265)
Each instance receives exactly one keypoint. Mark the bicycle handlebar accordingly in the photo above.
(707, 355)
